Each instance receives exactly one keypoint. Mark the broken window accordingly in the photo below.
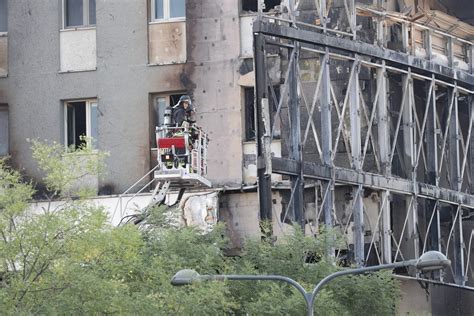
(79, 13)
(159, 104)
(157, 115)
(81, 123)
(168, 9)
(252, 5)
(250, 123)
(4, 130)
(3, 16)
(249, 114)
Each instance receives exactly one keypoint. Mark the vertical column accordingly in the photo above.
(454, 172)
(384, 150)
(295, 140)
(409, 154)
(326, 136)
(358, 210)
(380, 25)
(411, 40)
(353, 19)
(471, 146)
(449, 51)
(322, 13)
(470, 54)
(431, 140)
(264, 178)
(427, 43)
(384, 138)
(405, 37)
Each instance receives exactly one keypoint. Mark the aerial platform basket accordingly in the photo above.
(182, 157)
(179, 179)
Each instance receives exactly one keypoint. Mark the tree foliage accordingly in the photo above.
(67, 259)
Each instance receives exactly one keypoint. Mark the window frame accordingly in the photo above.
(153, 112)
(251, 120)
(88, 104)
(166, 13)
(261, 6)
(85, 17)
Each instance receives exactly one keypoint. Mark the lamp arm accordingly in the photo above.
(243, 277)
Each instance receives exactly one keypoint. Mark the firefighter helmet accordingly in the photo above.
(185, 98)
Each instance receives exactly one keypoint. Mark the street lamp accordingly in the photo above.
(431, 260)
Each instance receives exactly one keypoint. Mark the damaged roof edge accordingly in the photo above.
(420, 65)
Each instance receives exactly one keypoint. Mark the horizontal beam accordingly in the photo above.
(373, 181)
(419, 65)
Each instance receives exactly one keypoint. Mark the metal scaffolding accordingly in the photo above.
(370, 125)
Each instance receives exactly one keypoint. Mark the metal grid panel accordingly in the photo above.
(372, 127)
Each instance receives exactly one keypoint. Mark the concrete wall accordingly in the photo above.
(414, 300)
(123, 81)
(249, 162)
(78, 49)
(239, 210)
(212, 75)
(35, 86)
(167, 42)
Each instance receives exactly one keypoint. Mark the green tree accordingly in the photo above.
(297, 256)
(64, 258)
(67, 259)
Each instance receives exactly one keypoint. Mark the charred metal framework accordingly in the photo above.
(361, 120)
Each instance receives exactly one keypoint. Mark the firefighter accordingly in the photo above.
(183, 117)
(183, 111)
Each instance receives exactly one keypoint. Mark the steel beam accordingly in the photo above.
(356, 147)
(373, 181)
(470, 56)
(326, 138)
(409, 159)
(295, 140)
(454, 171)
(264, 178)
(419, 65)
(431, 140)
(383, 141)
(471, 140)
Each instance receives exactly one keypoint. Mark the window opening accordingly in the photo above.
(252, 5)
(81, 123)
(270, 4)
(79, 13)
(249, 114)
(249, 99)
(157, 115)
(163, 10)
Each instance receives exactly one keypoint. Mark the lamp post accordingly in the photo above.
(431, 260)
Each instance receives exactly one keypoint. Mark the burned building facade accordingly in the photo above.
(353, 114)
